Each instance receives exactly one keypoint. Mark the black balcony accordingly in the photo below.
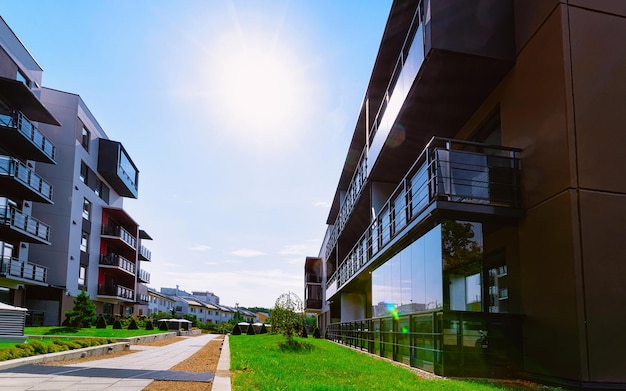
(20, 227)
(116, 291)
(19, 134)
(19, 97)
(143, 276)
(453, 178)
(118, 233)
(117, 168)
(117, 261)
(18, 180)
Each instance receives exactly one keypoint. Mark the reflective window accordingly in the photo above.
(128, 168)
(82, 275)
(86, 209)
(84, 172)
(85, 138)
(84, 242)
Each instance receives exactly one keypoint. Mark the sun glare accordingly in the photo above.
(257, 88)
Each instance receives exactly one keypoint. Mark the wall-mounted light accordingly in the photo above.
(26, 204)
(75, 187)
(74, 222)
(23, 245)
(71, 257)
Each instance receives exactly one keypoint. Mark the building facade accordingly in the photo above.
(96, 245)
(24, 149)
(476, 229)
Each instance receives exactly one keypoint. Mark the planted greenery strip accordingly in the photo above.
(258, 363)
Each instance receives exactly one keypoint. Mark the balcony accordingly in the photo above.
(118, 233)
(19, 227)
(450, 177)
(17, 180)
(19, 134)
(116, 291)
(144, 254)
(119, 262)
(14, 269)
(117, 168)
(143, 299)
(143, 276)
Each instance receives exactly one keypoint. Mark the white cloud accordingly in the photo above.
(323, 204)
(200, 247)
(294, 249)
(246, 252)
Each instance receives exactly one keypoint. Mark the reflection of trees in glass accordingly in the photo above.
(459, 248)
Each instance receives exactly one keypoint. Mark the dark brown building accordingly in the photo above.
(478, 224)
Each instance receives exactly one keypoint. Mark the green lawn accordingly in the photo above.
(257, 363)
(109, 332)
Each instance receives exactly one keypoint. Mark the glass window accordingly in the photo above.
(84, 242)
(86, 209)
(82, 275)
(84, 172)
(498, 289)
(85, 138)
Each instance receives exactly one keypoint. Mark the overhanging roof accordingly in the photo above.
(20, 97)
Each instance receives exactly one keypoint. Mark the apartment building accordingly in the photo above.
(158, 302)
(83, 239)
(476, 229)
(23, 150)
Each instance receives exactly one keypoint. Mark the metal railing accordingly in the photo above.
(447, 170)
(14, 168)
(119, 261)
(13, 267)
(117, 291)
(18, 121)
(16, 219)
(118, 231)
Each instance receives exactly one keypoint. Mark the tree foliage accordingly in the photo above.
(287, 315)
(84, 312)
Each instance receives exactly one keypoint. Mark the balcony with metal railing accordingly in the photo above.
(20, 181)
(14, 269)
(143, 299)
(117, 261)
(18, 226)
(23, 136)
(119, 233)
(144, 253)
(116, 291)
(143, 276)
(458, 177)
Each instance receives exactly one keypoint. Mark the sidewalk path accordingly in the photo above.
(131, 372)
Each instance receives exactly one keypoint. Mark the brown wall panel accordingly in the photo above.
(534, 114)
(603, 218)
(529, 15)
(617, 7)
(599, 83)
(547, 256)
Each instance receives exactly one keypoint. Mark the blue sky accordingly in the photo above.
(237, 113)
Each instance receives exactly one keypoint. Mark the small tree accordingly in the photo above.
(101, 323)
(84, 312)
(287, 316)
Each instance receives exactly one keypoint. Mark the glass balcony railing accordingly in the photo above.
(117, 231)
(14, 168)
(29, 130)
(447, 170)
(143, 276)
(13, 267)
(145, 253)
(116, 291)
(119, 261)
(24, 223)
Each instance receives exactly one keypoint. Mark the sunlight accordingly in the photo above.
(257, 89)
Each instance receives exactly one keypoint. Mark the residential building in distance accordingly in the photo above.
(158, 302)
(477, 226)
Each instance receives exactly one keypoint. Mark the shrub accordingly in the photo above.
(236, 330)
(263, 329)
(316, 333)
(133, 324)
(101, 323)
(250, 330)
(149, 325)
(117, 325)
(163, 326)
(84, 312)
(303, 333)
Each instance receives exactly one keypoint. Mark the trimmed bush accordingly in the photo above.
(250, 330)
(263, 329)
(117, 325)
(316, 333)
(101, 323)
(236, 330)
(133, 324)
(163, 326)
(303, 333)
(149, 325)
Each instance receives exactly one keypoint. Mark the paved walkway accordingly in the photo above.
(130, 372)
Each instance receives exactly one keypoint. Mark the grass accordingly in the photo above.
(109, 332)
(258, 363)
